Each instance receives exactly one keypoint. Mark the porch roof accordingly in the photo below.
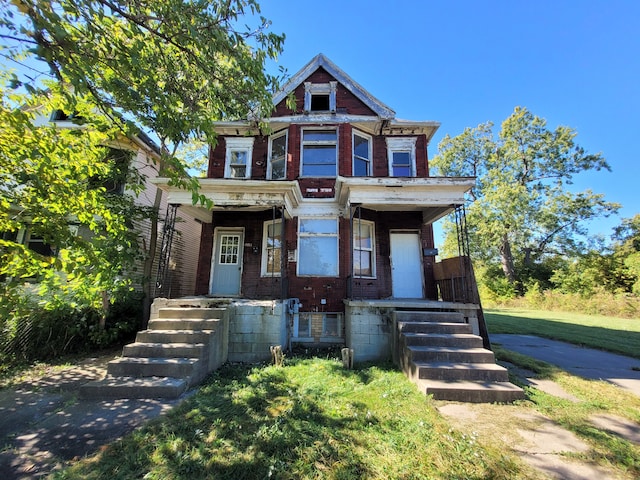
(433, 196)
(234, 194)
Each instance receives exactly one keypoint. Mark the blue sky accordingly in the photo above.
(575, 63)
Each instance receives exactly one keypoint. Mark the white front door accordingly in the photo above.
(406, 265)
(226, 263)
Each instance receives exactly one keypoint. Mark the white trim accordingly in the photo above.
(285, 134)
(311, 89)
(265, 245)
(402, 144)
(238, 144)
(369, 140)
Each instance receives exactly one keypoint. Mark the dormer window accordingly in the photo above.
(238, 158)
(320, 97)
(402, 156)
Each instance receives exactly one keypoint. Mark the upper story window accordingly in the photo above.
(276, 170)
(238, 158)
(361, 155)
(319, 153)
(318, 247)
(402, 156)
(320, 97)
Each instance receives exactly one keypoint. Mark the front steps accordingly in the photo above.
(173, 354)
(439, 352)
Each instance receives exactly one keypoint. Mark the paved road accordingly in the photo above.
(585, 362)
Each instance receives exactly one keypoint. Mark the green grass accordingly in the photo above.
(308, 420)
(618, 335)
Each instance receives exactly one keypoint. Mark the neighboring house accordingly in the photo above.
(332, 205)
(139, 154)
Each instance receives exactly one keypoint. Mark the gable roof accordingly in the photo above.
(321, 61)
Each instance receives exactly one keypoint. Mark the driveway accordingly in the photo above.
(584, 362)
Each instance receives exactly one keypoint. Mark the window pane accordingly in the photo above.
(318, 256)
(239, 158)
(319, 135)
(316, 225)
(360, 146)
(361, 235)
(238, 171)
(274, 233)
(401, 171)
(401, 158)
(320, 154)
(274, 258)
(362, 263)
(279, 146)
(277, 169)
(360, 168)
(304, 325)
(319, 103)
(331, 325)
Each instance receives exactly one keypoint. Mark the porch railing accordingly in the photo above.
(457, 283)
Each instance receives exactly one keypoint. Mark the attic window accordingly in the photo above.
(320, 97)
(60, 116)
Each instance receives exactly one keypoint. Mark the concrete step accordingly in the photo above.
(184, 324)
(461, 340)
(166, 350)
(153, 367)
(473, 392)
(191, 312)
(489, 372)
(173, 336)
(132, 387)
(427, 316)
(434, 327)
(449, 354)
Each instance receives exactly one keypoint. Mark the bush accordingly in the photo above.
(30, 331)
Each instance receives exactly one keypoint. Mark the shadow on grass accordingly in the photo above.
(244, 423)
(609, 339)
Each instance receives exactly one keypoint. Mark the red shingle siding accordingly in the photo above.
(216, 159)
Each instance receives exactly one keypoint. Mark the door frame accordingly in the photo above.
(420, 259)
(214, 256)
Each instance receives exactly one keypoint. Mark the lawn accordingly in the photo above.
(618, 335)
(311, 419)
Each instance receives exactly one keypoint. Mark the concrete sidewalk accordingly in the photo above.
(44, 424)
(584, 362)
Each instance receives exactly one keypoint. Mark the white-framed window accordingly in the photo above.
(361, 155)
(402, 156)
(238, 158)
(272, 248)
(320, 97)
(277, 167)
(318, 247)
(364, 254)
(319, 153)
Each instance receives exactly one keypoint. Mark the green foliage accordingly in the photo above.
(522, 209)
(32, 330)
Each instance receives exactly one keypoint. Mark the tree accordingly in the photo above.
(522, 208)
(53, 190)
(173, 67)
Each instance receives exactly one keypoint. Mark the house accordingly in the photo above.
(173, 269)
(321, 233)
(333, 201)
